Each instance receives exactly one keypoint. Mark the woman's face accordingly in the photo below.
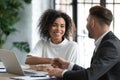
(57, 30)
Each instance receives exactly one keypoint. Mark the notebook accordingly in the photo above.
(13, 66)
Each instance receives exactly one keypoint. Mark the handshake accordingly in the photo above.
(56, 67)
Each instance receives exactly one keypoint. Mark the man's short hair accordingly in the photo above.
(102, 13)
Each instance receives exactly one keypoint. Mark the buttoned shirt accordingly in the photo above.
(97, 43)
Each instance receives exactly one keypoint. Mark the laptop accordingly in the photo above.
(13, 66)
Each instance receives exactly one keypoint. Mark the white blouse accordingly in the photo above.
(68, 50)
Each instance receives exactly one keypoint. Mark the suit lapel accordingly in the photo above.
(106, 37)
(93, 56)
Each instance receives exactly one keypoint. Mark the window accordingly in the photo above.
(64, 5)
(114, 5)
(86, 44)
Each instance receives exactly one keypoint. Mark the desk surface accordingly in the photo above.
(5, 78)
(8, 76)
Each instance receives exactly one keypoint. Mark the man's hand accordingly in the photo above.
(55, 72)
(60, 63)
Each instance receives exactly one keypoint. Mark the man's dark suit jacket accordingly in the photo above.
(105, 63)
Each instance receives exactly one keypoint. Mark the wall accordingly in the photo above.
(38, 8)
(27, 27)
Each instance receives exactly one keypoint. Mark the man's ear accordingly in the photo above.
(92, 22)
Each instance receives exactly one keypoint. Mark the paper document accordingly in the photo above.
(2, 70)
(34, 78)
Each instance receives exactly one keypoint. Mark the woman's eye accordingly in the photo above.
(54, 25)
(62, 26)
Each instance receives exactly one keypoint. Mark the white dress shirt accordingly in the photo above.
(97, 43)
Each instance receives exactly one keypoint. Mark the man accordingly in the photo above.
(105, 63)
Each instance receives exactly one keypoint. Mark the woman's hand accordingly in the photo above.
(39, 68)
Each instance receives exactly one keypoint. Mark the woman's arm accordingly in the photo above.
(33, 60)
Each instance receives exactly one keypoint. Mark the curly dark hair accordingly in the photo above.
(48, 18)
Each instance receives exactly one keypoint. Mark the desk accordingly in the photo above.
(8, 76)
(5, 78)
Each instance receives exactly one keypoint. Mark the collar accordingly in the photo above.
(97, 42)
(60, 44)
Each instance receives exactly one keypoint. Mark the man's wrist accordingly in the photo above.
(70, 66)
(64, 72)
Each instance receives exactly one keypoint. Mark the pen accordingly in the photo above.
(38, 76)
(2, 68)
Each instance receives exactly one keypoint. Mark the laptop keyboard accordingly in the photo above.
(29, 72)
(35, 73)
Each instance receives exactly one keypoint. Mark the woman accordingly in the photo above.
(55, 28)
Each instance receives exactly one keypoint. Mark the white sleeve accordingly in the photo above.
(74, 55)
(37, 50)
